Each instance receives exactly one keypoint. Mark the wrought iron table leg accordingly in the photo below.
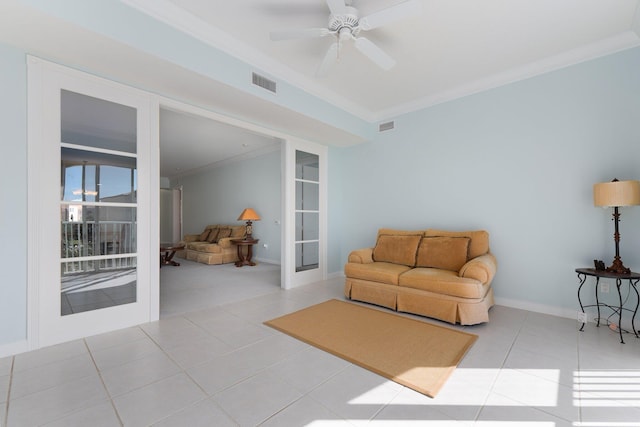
(618, 284)
(582, 278)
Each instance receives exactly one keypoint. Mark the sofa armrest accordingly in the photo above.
(225, 242)
(481, 268)
(361, 256)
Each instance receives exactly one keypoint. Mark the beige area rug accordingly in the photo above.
(410, 352)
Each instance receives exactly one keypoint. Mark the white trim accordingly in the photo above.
(336, 275)
(46, 325)
(108, 204)
(538, 308)
(34, 129)
(595, 50)
(167, 12)
(176, 17)
(98, 150)
(291, 277)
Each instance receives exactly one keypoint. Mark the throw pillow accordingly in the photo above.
(446, 253)
(213, 236)
(396, 249)
(224, 232)
(203, 236)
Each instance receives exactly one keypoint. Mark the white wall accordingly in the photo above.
(219, 195)
(519, 161)
(13, 193)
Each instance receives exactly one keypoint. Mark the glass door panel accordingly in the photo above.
(307, 209)
(98, 204)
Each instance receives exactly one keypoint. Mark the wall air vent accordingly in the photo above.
(263, 82)
(386, 126)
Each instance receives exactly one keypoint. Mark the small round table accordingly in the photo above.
(245, 259)
(633, 279)
(167, 251)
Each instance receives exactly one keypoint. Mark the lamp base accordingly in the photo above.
(618, 268)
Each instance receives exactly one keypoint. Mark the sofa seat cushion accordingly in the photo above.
(204, 247)
(383, 272)
(442, 282)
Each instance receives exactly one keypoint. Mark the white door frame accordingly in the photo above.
(151, 201)
(45, 80)
(292, 278)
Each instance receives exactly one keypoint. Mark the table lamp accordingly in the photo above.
(249, 215)
(616, 194)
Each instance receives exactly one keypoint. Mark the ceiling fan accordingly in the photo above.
(345, 24)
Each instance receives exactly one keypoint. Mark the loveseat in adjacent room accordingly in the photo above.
(214, 245)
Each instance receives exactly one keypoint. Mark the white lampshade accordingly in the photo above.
(616, 193)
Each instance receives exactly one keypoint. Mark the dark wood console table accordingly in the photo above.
(633, 279)
(167, 252)
(245, 259)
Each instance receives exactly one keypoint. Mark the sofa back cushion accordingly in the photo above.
(446, 253)
(397, 248)
(203, 236)
(224, 232)
(213, 236)
(478, 244)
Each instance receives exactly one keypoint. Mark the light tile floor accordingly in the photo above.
(210, 362)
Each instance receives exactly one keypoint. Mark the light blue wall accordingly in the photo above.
(219, 195)
(13, 214)
(519, 161)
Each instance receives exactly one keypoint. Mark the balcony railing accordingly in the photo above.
(97, 246)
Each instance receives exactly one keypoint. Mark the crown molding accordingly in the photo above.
(626, 40)
(167, 12)
(176, 17)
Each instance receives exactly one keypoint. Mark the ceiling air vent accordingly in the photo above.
(386, 126)
(264, 82)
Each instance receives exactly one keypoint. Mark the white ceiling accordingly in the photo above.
(190, 143)
(454, 48)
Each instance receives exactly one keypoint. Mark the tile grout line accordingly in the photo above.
(513, 343)
(6, 407)
(103, 383)
(184, 371)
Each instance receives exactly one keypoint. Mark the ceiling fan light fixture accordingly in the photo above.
(345, 24)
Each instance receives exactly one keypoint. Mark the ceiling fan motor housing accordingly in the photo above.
(345, 25)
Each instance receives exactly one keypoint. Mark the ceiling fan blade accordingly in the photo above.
(330, 58)
(337, 7)
(303, 33)
(374, 53)
(391, 14)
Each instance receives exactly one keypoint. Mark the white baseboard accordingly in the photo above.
(267, 261)
(567, 312)
(538, 308)
(13, 348)
(335, 275)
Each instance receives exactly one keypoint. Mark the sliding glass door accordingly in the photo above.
(304, 250)
(93, 268)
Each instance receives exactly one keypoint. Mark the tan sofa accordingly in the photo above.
(213, 245)
(441, 274)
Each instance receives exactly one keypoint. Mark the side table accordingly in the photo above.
(167, 251)
(245, 259)
(633, 279)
